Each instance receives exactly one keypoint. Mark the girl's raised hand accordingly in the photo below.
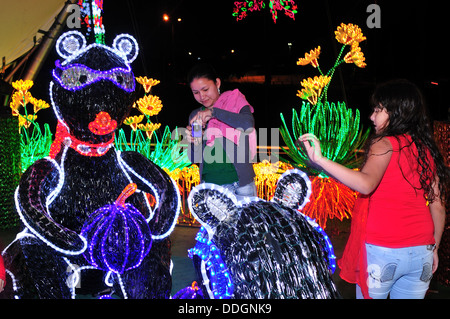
(311, 145)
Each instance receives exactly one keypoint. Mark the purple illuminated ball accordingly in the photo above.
(118, 236)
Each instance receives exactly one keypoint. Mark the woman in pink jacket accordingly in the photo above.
(225, 146)
(2, 274)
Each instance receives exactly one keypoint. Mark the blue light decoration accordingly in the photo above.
(212, 266)
(329, 247)
(190, 292)
(69, 76)
(118, 235)
(249, 248)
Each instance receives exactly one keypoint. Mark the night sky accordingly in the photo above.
(409, 44)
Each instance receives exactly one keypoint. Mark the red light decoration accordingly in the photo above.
(242, 7)
(329, 199)
(103, 124)
(83, 148)
(93, 20)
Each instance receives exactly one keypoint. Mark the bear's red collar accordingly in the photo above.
(83, 148)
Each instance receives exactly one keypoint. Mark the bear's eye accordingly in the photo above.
(82, 79)
(119, 79)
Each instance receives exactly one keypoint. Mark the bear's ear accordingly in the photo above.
(127, 46)
(211, 204)
(293, 189)
(70, 43)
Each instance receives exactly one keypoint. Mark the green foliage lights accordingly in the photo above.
(9, 169)
(164, 152)
(339, 141)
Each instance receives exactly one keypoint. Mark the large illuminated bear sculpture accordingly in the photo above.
(89, 211)
(257, 249)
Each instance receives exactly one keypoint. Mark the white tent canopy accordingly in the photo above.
(20, 21)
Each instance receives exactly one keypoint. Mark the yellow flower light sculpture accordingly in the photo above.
(149, 128)
(36, 138)
(312, 88)
(22, 86)
(355, 56)
(149, 105)
(336, 126)
(311, 57)
(39, 104)
(26, 121)
(349, 34)
(18, 99)
(133, 121)
(21, 98)
(147, 83)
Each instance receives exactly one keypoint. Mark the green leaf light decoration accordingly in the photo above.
(9, 168)
(339, 141)
(164, 152)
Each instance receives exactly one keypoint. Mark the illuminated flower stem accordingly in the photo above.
(330, 73)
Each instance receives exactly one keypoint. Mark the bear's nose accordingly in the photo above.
(103, 124)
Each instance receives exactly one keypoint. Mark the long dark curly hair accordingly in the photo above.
(408, 114)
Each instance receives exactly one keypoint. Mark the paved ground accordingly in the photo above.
(338, 231)
(183, 274)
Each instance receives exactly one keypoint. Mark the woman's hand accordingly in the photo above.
(202, 117)
(311, 145)
(435, 260)
(190, 138)
(2, 285)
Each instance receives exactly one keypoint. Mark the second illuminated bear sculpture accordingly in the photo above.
(90, 211)
(257, 249)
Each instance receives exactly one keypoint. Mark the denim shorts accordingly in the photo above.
(400, 273)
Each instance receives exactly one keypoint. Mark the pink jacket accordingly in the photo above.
(2, 270)
(232, 101)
